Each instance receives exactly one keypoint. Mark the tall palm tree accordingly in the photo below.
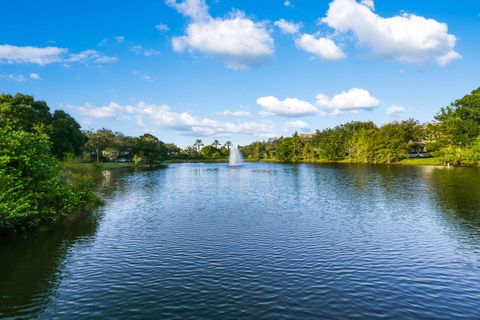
(228, 144)
(216, 143)
(198, 144)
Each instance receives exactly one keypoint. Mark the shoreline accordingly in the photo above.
(431, 162)
(116, 165)
(404, 162)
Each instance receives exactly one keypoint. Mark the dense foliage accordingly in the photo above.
(200, 151)
(460, 121)
(106, 145)
(24, 113)
(33, 187)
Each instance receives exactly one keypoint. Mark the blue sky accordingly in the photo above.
(239, 70)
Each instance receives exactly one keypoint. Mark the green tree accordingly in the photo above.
(216, 143)
(209, 152)
(151, 149)
(332, 144)
(308, 152)
(284, 150)
(362, 146)
(98, 141)
(198, 144)
(32, 187)
(23, 112)
(173, 151)
(461, 119)
(391, 143)
(66, 135)
(190, 152)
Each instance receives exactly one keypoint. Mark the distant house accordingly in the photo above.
(419, 150)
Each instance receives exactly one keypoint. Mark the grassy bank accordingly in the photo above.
(413, 161)
(422, 161)
(114, 165)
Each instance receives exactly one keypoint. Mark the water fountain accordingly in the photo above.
(235, 157)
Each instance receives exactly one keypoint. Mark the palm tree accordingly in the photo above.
(216, 143)
(198, 144)
(228, 144)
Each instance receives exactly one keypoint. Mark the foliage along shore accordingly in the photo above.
(49, 166)
(414, 162)
(452, 139)
(42, 175)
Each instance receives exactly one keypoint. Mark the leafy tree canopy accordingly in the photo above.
(66, 136)
(461, 119)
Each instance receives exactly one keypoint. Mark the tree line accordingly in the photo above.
(453, 137)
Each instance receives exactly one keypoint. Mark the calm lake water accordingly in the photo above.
(262, 241)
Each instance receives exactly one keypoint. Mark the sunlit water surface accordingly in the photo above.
(263, 241)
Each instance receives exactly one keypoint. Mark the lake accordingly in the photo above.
(263, 241)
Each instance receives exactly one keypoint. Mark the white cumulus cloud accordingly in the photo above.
(35, 76)
(352, 100)
(28, 54)
(288, 27)
(195, 9)
(238, 41)
(406, 38)
(395, 111)
(297, 125)
(111, 110)
(163, 117)
(322, 48)
(290, 107)
(47, 55)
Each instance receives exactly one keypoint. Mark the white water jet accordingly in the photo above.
(235, 157)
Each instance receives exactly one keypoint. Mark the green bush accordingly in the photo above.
(34, 188)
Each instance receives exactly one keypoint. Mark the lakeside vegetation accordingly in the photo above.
(453, 138)
(49, 167)
(34, 186)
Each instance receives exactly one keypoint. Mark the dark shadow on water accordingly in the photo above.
(30, 268)
(458, 190)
